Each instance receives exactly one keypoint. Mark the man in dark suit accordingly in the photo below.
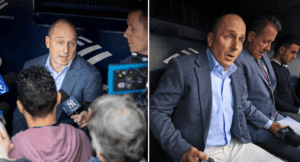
(286, 100)
(259, 80)
(197, 108)
(71, 72)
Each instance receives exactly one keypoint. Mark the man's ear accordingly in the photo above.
(251, 36)
(20, 106)
(47, 41)
(281, 50)
(58, 98)
(210, 39)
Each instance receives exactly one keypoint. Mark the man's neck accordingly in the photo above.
(56, 68)
(278, 58)
(39, 122)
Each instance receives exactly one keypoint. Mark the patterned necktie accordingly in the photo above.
(265, 73)
(268, 78)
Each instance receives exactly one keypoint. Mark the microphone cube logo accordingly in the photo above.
(71, 105)
(3, 87)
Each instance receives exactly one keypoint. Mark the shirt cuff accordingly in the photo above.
(268, 125)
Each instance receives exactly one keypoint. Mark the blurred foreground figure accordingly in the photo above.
(118, 129)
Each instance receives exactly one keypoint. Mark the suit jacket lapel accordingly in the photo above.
(256, 66)
(72, 76)
(270, 71)
(70, 80)
(205, 90)
(237, 97)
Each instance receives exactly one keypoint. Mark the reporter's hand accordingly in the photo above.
(100, 157)
(275, 127)
(5, 146)
(193, 155)
(83, 118)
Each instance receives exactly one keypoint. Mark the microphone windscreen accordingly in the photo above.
(64, 96)
(5, 108)
(292, 140)
(10, 78)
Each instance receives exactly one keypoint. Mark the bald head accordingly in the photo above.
(226, 40)
(229, 18)
(59, 22)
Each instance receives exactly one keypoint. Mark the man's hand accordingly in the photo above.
(5, 146)
(275, 127)
(194, 155)
(83, 118)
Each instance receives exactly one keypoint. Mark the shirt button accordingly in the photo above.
(270, 114)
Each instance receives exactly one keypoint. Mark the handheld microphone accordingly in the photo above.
(4, 111)
(70, 104)
(288, 135)
(209, 159)
(7, 80)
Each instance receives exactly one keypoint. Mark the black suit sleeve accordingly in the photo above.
(280, 104)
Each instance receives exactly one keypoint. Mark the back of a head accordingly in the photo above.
(286, 41)
(120, 126)
(261, 20)
(36, 91)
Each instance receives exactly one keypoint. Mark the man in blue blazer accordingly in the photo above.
(197, 110)
(259, 80)
(71, 72)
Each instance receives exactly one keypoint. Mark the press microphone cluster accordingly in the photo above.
(70, 104)
(288, 135)
(6, 81)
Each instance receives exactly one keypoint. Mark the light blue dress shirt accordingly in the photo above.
(58, 77)
(222, 103)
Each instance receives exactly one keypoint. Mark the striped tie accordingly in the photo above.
(268, 78)
(265, 73)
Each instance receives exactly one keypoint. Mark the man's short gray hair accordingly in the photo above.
(120, 127)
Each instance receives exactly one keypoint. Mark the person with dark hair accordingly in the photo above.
(197, 111)
(259, 81)
(137, 32)
(45, 140)
(118, 129)
(71, 73)
(286, 100)
(137, 36)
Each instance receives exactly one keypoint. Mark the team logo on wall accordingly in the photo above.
(3, 4)
(91, 48)
(82, 41)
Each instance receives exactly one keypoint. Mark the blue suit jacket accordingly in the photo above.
(259, 95)
(181, 106)
(82, 80)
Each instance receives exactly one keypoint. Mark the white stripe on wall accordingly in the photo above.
(80, 43)
(89, 49)
(186, 52)
(99, 57)
(169, 58)
(191, 49)
(5, 4)
(85, 39)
